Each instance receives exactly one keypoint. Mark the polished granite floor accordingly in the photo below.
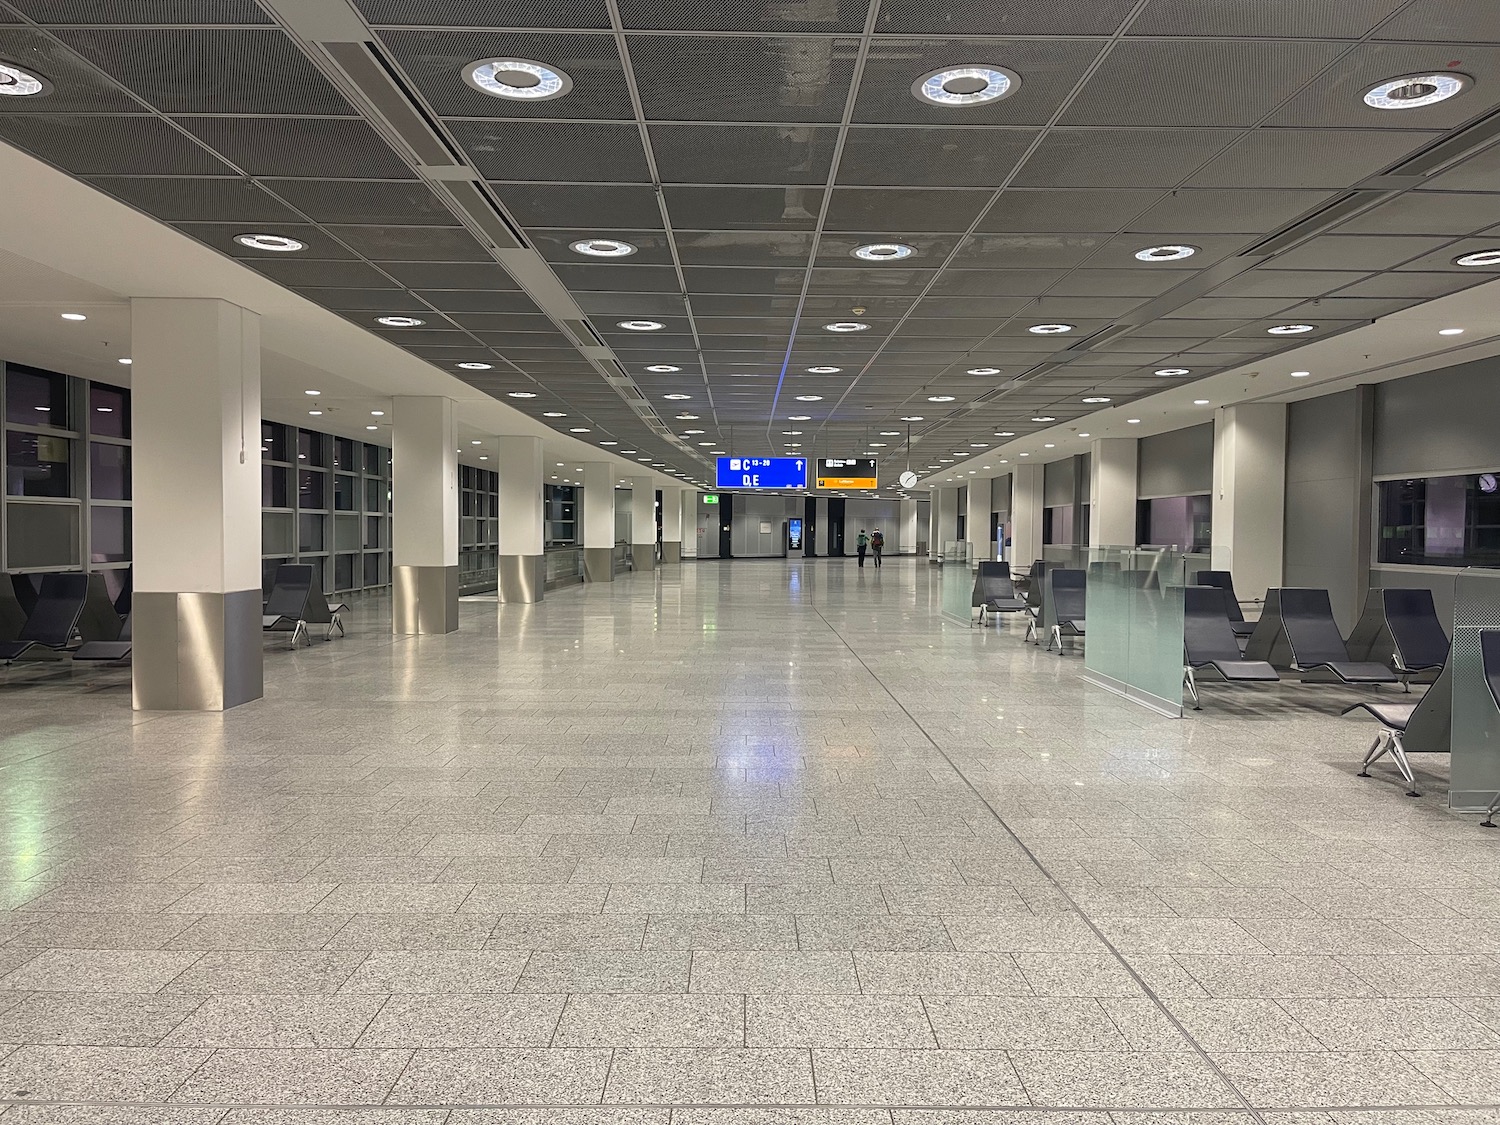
(747, 843)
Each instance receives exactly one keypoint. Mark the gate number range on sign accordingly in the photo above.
(761, 472)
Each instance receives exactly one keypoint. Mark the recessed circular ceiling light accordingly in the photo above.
(1479, 258)
(315, 413)
(1290, 329)
(890, 433)
(1133, 421)
(690, 433)
(687, 417)
(399, 321)
(911, 418)
(73, 316)
(520, 79)
(1200, 402)
(662, 369)
(377, 414)
(799, 417)
(939, 398)
(1170, 253)
(966, 85)
(1450, 331)
(979, 445)
(1411, 91)
(1097, 398)
(520, 394)
(1301, 374)
(126, 360)
(677, 397)
(1049, 445)
(824, 370)
(1084, 435)
(1171, 371)
(791, 433)
(1050, 329)
(553, 414)
(372, 427)
(1005, 433)
(809, 398)
(705, 444)
(475, 365)
(883, 252)
(1044, 418)
(17, 83)
(845, 326)
(984, 371)
(642, 325)
(578, 429)
(602, 247)
(275, 242)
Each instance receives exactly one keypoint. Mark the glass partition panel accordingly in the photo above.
(1476, 718)
(957, 590)
(1135, 624)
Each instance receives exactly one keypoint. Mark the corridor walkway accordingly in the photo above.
(731, 835)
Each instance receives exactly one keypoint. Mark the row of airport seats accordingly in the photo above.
(70, 616)
(296, 601)
(1055, 601)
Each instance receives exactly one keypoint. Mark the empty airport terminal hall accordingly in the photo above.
(750, 562)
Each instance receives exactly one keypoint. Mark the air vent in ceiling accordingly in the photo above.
(1449, 151)
(584, 333)
(1345, 207)
(364, 66)
(478, 206)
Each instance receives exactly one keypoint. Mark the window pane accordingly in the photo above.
(273, 441)
(309, 533)
(268, 573)
(36, 464)
(310, 448)
(36, 398)
(343, 492)
(109, 411)
(109, 534)
(372, 532)
(343, 454)
(343, 572)
(372, 459)
(109, 471)
(312, 489)
(44, 535)
(372, 570)
(273, 487)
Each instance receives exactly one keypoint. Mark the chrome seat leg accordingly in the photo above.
(1398, 752)
(1190, 681)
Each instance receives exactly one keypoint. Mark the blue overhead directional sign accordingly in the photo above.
(762, 472)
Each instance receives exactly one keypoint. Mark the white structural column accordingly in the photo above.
(906, 531)
(977, 521)
(1249, 499)
(671, 523)
(523, 572)
(822, 527)
(1026, 506)
(643, 523)
(1114, 475)
(945, 518)
(598, 521)
(687, 514)
(195, 415)
(424, 516)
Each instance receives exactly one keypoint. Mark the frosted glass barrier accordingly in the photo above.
(1135, 624)
(957, 591)
(1476, 719)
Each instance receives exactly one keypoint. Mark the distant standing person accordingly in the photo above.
(862, 544)
(877, 545)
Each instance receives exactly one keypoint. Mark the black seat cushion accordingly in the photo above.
(1393, 715)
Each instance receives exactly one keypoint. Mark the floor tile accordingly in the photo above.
(1329, 1078)
(773, 972)
(1120, 1078)
(521, 1076)
(1008, 1023)
(295, 1077)
(837, 1021)
(457, 970)
(652, 1021)
(275, 1021)
(915, 1078)
(127, 1074)
(741, 1076)
(448, 1020)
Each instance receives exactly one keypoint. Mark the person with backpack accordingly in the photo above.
(862, 544)
(877, 545)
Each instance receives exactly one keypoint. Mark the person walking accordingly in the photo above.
(877, 545)
(861, 545)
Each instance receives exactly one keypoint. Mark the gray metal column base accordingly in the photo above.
(196, 652)
(598, 564)
(522, 578)
(671, 552)
(642, 556)
(424, 599)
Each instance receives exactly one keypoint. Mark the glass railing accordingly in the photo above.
(1135, 624)
(1476, 718)
(956, 593)
(563, 567)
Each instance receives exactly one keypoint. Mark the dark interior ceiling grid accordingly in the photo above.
(747, 149)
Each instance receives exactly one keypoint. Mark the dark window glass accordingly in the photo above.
(312, 489)
(43, 535)
(109, 534)
(268, 569)
(36, 464)
(1441, 521)
(1184, 522)
(309, 533)
(372, 532)
(372, 570)
(374, 496)
(343, 572)
(372, 459)
(343, 454)
(344, 495)
(273, 441)
(274, 490)
(36, 398)
(109, 411)
(109, 471)
(1057, 525)
(311, 448)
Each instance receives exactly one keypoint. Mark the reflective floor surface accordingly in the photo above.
(751, 843)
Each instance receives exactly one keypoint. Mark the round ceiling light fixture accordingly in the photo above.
(809, 398)
(1450, 331)
(519, 79)
(17, 83)
(1092, 399)
(1005, 433)
(1412, 91)
(399, 321)
(677, 397)
(984, 371)
(939, 398)
(1050, 329)
(1169, 372)
(966, 85)
(73, 316)
(278, 243)
(642, 325)
(662, 369)
(824, 370)
(553, 414)
(1290, 329)
(475, 365)
(1300, 374)
(1174, 253)
(578, 429)
(520, 394)
(1044, 418)
(845, 326)
(883, 252)
(602, 248)
(911, 417)
(1479, 258)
